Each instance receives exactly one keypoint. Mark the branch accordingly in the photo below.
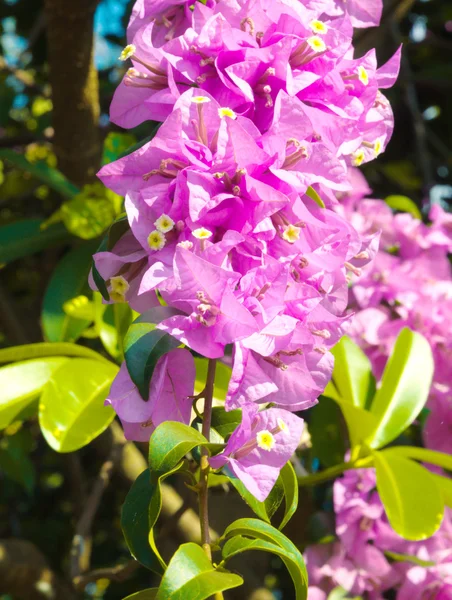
(119, 573)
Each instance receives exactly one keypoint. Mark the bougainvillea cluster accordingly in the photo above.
(231, 204)
(361, 560)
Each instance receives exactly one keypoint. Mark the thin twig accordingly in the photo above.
(118, 573)
(81, 543)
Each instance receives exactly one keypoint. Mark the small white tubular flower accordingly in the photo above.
(164, 223)
(156, 240)
(128, 52)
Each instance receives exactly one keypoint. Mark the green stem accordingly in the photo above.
(204, 471)
(333, 472)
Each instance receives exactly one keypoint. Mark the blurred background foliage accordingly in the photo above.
(51, 222)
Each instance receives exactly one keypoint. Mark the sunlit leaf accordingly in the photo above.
(190, 574)
(169, 443)
(410, 495)
(222, 377)
(404, 204)
(352, 374)
(71, 410)
(21, 383)
(404, 388)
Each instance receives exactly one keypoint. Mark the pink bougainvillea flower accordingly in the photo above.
(259, 448)
(169, 396)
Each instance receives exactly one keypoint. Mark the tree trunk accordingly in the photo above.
(75, 87)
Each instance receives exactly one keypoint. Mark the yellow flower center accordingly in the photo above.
(227, 112)
(318, 27)
(127, 52)
(200, 99)
(283, 427)
(156, 240)
(164, 223)
(265, 440)
(363, 75)
(291, 234)
(378, 147)
(358, 157)
(316, 43)
(119, 285)
(117, 298)
(202, 233)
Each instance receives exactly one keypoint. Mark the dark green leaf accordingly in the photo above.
(275, 542)
(23, 238)
(325, 427)
(410, 495)
(144, 345)
(352, 375)
(404, 388)
(40, 350)
(169, 443)
(115, 144)
(404, 204)
(116, 231)
(69, 279)
(71, 410)
(224, 423)
(289, 482)
(191, 575)
(14, 459)
(48, 175)
(135, 522)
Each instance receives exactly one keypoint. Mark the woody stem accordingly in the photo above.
(204, 472)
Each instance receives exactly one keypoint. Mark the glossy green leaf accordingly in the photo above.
(352, 374)
(25, 237)
(326, 430)
(314, 196)
(404, 388)
(112, 322)
(149, 594)
(71, 410)
(222, 377)
(191, 575)
(40, 350)
(445, 487)
(263, 532)
(423, 454)
(404, 204)
(69, 279)
(289, 481)
(411, 497)
(48, 175)
(144, 345)
(21, 383)
(135, 522)
(360, 423)
(224, 423)
(169, 443)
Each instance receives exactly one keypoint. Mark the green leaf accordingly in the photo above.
(149, 594)
(86, 216)
(116, 144)
(69, 279)
(191, 575)
(290, 486)
(423, 454)
(48, 175)
(222, 377)
(71, 410)
(445, 487)
(21, 383)
(352, 374)
(25, 237)
(169, 443)
(404, 388)
(274, 541)
(40, 350)
(397, 557)
(111, 324)
(314, 196)
(143, 346)
(325, 427)
(14, 459)
(224, 423)
(135, 522)
(404, 204)
(411, 497)
(360, 423)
